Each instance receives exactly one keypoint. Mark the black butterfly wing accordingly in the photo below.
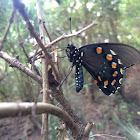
(127, 54)
(105, 62)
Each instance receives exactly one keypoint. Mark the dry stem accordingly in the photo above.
(64, 36)
(45, 84)
(24, 108)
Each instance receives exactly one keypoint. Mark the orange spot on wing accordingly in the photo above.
(99, 78)
(113, 82)
(109, 57)
(114, 65)
(96, 81)
(115, 74)
(106, 83)
(99, 50)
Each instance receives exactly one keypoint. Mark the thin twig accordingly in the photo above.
(13, 62)
(107, 135)
(64, 36)
(45, 83)
(47, 32)
(56, 93)
(21, 8)
(87, 130)
(7, 28)
(54, 50)
(35, 69)
(71, 35)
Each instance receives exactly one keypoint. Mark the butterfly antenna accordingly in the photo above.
(70, 27)
(70, 69)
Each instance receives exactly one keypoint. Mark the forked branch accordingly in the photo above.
(64, 36)
(14, 62)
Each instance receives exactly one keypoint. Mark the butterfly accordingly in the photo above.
(106, 63)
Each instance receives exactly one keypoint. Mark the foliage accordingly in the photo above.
(118, 22)
(128, 130)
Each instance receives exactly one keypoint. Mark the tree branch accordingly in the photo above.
(47, 32)
(61, 99)
(64, 36)
(71, 35)
(17, 64)
(24, 108)
(55, 93)
(87, 131)
(45, 83)
(21, 8)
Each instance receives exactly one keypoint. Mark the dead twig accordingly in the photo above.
(21, 8)
(47, 32)
(24, 108)
(55, 93)
(45, 83)
(13, 62)
(87, 131)
(71, 35)
(107, 135)
(64, 36)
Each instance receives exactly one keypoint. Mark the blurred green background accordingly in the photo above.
(118, 21)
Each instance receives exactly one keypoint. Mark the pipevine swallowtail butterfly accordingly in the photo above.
(105, 62)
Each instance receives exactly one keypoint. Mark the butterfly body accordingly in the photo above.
(75, 56)
(104, 61)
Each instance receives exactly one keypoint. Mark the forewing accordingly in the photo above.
(91, 59)
(127, 54)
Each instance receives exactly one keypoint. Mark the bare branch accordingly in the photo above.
(20, 6)
(87, 131)
(64, 36)
(61, 99)
(7, 28)
(24, 108)
(107, 135)
(47, 32)
(71, 35)
(16, 63)
(45, 83)
(55, 93)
